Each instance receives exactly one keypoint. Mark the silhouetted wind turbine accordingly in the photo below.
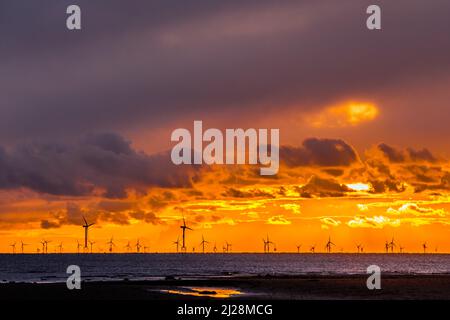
(203, 244)
(184, 227)
(13, 246)
(267, 244)
(22, 245)
(86, 226)
(228, 246)
(392, 245)
(177, 243)
(78, 246)
(215, 248)
(43, 246)
(128, 246)
(425, 247)
(138, 246)
(400, 248)
(329, 244)
(313, 249)
(46, 245)
(92, 244)
(60, 247)
(358, 247)
(298, 248)
(386, 246)
(111, 245)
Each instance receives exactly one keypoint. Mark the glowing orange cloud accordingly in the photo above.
(343, 115)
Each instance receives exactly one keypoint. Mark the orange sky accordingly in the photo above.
(324, 188)
(86, 119)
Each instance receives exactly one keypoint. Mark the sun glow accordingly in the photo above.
(359, 186)
(347, 114)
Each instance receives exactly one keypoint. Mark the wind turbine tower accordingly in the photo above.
(184, 227)
(86, 226)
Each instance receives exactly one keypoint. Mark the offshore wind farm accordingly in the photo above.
(183, 246)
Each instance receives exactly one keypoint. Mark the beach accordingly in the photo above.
(308, 287)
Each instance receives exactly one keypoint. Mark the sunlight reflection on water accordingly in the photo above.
(205, 292)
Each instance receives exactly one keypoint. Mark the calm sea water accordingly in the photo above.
(52, 267)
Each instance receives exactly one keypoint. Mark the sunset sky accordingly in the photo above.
(364, 118)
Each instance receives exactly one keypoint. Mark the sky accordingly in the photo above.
(86, 118)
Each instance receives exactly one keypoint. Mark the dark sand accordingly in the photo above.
(283, 288)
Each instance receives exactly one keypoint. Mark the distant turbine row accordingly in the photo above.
(268, 244)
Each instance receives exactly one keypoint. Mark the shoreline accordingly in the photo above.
(308, 287)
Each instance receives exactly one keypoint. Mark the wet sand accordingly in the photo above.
(394, 287)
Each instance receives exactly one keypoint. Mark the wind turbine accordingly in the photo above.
(298, 248)
(138, 246)
(13, 246)
(215, 248)
(46, 245)
(203, 244)
(43, 246)
(86, 226)
(128, 246)
(228, 246)
(22, 245)
(400, 248)
(184, 227)
(92, 244)
(329, 244)
(111, 244)
(358, 248)
(425, 247)
(177, 243)
(60, 247)
(78, 246)
(267, 244)
(392, 245)
(313, 249)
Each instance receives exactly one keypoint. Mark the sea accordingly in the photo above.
(47, 268)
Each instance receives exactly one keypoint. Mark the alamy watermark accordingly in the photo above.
(374, 280)
(235, 146)
(74, 280)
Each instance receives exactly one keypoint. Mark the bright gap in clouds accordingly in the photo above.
(359, 186)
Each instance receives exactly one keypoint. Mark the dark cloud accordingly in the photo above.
(158, 202)
(103, 163)
(116, 212)
(152, 62)
(115, 206)
(395, 155)
(334, 172)
(321, 187)
(45, 224)
(387, 185)
(319, 152)
(391, 153)
(148, 217)
(254, 193)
